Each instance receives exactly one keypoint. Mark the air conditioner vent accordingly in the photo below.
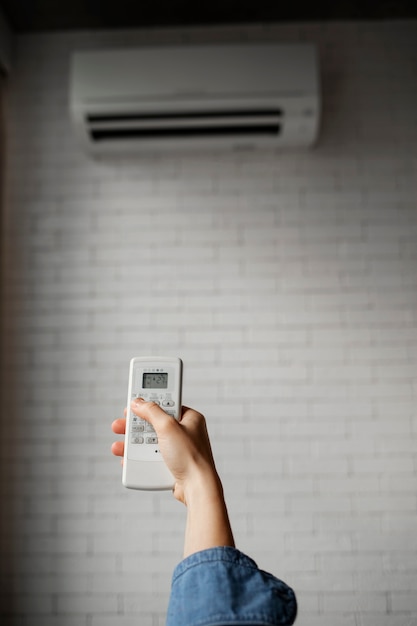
(183, 126)
(136, 117)
(184, 132)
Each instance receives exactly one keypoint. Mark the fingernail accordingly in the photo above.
(138, 400)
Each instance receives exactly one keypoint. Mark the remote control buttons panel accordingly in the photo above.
(142, 432)
(143, 439)
(140, 426)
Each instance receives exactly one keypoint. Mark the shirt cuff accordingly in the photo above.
(222, 586)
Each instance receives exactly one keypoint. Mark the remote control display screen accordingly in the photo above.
(155, 381)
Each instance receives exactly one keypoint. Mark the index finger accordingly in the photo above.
(119, 426)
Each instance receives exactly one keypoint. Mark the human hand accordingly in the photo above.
(185, 447)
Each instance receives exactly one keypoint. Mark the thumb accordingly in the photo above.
(151, 412)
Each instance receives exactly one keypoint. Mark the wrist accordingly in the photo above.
(208, 524)
(204, 486)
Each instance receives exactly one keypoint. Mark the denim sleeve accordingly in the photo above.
(222, 586)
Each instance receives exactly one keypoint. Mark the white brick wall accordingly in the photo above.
(286, 282)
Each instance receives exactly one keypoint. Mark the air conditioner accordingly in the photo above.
(186, 96)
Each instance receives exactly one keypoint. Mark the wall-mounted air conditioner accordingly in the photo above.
(187, 96)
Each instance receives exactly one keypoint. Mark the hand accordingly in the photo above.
(186, 449)
(184, 445)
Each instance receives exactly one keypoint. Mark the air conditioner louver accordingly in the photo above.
(183, 125)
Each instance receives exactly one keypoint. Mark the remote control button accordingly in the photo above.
(151, 439)
(136, 440)
(171, 413)
(139, 428)
(149, 428)
(168, 403)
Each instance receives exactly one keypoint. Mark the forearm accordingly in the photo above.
(208, 524)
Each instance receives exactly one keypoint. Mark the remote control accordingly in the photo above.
(155, 379)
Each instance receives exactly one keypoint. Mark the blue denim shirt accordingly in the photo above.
(222, 586)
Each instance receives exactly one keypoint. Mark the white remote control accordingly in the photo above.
(155, 379)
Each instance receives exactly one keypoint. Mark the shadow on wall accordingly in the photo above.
(7, 410)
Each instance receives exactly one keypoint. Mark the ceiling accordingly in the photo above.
(26, 16)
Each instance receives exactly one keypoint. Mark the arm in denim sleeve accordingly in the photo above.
(222, 587)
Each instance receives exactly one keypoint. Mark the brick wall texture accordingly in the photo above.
(286, 281)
